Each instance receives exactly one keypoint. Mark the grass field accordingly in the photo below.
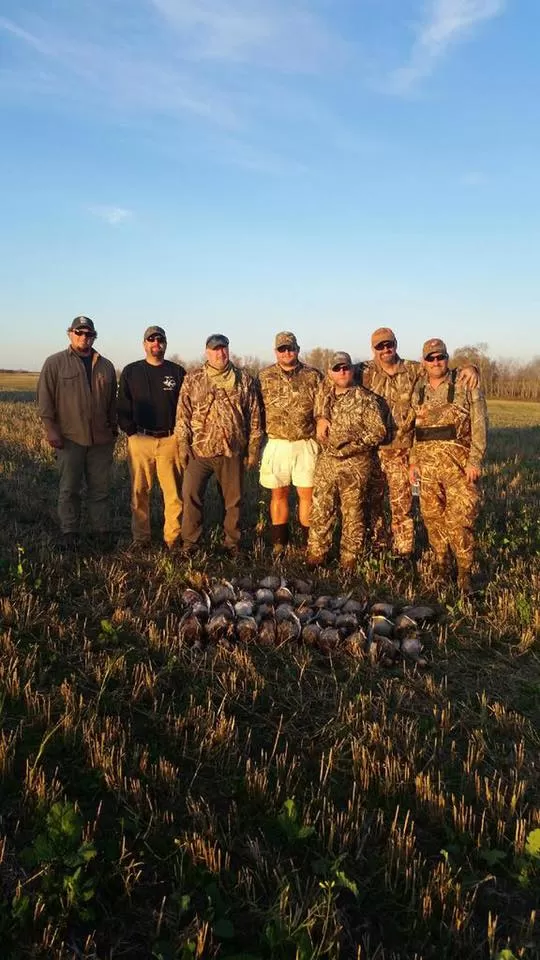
(15, 382)
(260, 803)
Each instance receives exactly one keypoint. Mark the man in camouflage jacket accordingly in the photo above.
(393, 380)
(218, 427)
(288, 388)
(450, 437)
(342, 473)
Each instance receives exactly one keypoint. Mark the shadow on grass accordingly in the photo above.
(18, 396)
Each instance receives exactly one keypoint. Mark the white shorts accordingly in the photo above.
(286, 462)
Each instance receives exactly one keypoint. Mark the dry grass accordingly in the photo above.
(261, 803)
(12, 382)
(514, 413)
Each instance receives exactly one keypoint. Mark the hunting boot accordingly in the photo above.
(304, 534)
(279, 536)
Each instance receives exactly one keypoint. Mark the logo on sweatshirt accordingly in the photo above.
(169, 383)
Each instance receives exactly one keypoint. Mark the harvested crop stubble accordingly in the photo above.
(262, 800)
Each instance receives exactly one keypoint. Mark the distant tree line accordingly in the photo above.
(501, 379)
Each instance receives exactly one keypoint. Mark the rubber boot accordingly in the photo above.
(279, 535)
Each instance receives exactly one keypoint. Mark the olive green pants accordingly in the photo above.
(80, 466)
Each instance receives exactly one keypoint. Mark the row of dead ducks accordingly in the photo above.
(274, 611)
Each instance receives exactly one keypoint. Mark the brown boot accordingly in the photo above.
(314, 560)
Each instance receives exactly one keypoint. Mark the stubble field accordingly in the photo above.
(263, 803)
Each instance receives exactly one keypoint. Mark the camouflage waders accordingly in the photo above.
(391, 471)
(342, 482)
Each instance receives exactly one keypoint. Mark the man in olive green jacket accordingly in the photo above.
(77, 404)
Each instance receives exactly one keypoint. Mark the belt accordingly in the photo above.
(155, 433)
(447, 432)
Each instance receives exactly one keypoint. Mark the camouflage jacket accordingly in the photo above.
(213, 422)
(395, 392)
(356, 421)
(288, 401)
(449, 420)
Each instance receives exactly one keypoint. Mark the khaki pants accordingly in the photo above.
(229, 473)
(149, 457)
(93, 465)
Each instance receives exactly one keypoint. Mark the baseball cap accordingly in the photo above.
(82, 323)
(286, 339)
(434, 346)
(217, 340)
(340, 358)
(159, 331)
(381, 334)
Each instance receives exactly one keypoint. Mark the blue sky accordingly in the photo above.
(248, 166)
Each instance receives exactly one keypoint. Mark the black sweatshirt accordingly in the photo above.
(148, 396)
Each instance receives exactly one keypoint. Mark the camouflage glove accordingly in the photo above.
(251, 460)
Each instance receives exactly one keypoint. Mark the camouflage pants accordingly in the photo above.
(449, 504)
(342, 482)
(391, 472)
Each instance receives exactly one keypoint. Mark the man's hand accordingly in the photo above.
(55, 439)
(183, 457)
(414, 474)
(469, 377)
(323, 427)
(472, 473)
(251, 461)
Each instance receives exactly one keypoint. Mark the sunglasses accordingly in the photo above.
(156, 338)
(83, 333)
(287, 348)
(341, 367)
(385, 345)
(432, 357)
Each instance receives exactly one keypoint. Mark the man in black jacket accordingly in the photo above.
(147, 400)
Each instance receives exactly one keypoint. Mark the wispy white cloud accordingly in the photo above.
(117, 74)
(111, 215)
(238, 67)
(446, 23)
(25, 35)
(281, 34)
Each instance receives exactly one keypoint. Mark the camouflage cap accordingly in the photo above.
(157, 331)
(217, 340)
(381, 334)
(434, 346)
(82, 323)
(286, 339)
(339, 359)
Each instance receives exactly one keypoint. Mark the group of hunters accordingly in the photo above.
(343, 440)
